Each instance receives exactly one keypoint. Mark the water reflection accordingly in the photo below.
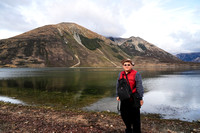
(172, 93)
(174, 96)
(11, 100)
(58, 86)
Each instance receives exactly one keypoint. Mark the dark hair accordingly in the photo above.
(127, 60)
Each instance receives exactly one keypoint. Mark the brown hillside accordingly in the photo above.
(71, 45)
(61, 45)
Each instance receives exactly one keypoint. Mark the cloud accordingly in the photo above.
(189, 41)
(104, 17)
(10, 16)
(91, 15)
(157, 22)
(170, 25)
(94, 15)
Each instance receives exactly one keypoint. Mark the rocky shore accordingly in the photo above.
(20, 118)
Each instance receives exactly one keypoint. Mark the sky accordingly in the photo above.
(172, 25)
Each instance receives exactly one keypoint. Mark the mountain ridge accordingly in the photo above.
(189, 57)
(71, 45)
(136, 46)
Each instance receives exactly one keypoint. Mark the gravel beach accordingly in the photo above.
(20, 118)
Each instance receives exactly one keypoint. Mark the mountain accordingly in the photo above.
(71, 45)
(143, 51)
(189, 57)
(60, 45)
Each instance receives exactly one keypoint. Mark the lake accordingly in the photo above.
(173, 93)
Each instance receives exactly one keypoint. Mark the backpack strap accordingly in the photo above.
(127, 80)
(129, 83)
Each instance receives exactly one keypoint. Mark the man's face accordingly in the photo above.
(127, 66)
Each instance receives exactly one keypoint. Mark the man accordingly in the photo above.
(130, 113)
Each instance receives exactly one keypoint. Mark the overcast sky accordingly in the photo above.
(173, 25)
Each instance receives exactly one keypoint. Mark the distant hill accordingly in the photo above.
(142, 50)
(71, 45)
(189, 57)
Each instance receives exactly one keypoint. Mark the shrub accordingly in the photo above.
(114, 50)
(91, 44)
(142, 46)
(120, 57)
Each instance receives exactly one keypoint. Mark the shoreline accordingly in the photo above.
(139, 66)
(23, 118)
(138, 63)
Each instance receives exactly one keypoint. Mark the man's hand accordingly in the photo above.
(141, 102)
(118, 99)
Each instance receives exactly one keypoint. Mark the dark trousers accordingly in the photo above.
(131, 116)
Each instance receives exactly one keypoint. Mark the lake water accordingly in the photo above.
(172, 93)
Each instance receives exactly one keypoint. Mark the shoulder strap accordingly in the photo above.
(128, 81)
(122, 76)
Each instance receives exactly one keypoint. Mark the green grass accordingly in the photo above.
(120, 57)
(91, 44)
(142, 46)
(115, 50)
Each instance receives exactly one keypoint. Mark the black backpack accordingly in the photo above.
(123, 91)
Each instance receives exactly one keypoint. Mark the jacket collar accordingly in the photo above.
(128, 72)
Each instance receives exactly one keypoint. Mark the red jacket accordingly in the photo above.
(131, 78)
